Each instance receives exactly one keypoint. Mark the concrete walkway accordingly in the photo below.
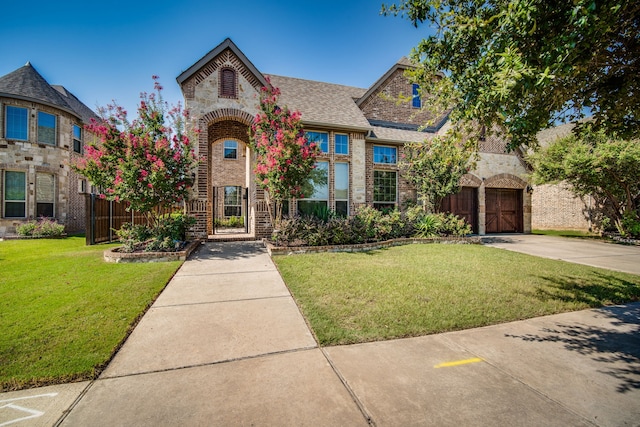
(225, 344)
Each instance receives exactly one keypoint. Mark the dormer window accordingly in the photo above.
(228, 83)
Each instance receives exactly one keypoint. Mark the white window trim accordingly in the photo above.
(395, 202)
(336, 199)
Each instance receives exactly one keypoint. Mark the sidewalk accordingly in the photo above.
(225, 344)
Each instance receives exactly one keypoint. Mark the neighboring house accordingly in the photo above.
(361, 132)
(41, 132)
(554, 206)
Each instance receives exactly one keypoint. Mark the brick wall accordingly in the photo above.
(384, 105)
(554, 207)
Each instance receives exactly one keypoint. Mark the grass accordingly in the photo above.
(64, 311)
(424, 289)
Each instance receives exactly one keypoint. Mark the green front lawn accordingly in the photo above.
(64, 311)
(423, 289)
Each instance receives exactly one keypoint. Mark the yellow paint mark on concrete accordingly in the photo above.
(458, 362)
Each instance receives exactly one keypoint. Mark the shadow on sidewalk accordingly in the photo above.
(228, 250)
(617, 348)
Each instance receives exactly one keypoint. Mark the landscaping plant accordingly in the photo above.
(149, 162)
(285, 157)
(44, 227)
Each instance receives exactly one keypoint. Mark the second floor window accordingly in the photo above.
(386, 155)
(16, 123)
(415, 98)
(46, 128)
(77, 139)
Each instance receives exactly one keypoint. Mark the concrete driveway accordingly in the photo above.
(580, 251)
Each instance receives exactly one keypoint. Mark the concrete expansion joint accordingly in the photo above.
(521, 382)
(77, 400)
(218, 362)
(352, 393)
(220, 302)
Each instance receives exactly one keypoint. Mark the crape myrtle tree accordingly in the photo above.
(149, 162)
(285, 158)
(434, 167)
(520, 66)
(595, 165)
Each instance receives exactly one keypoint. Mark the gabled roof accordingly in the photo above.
(226, 44)
(402, 64)
(322, 104)
(27, 84)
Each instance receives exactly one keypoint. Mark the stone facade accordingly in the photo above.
(33, 158)
(555, 207)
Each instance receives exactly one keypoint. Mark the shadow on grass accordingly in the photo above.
(604, 289)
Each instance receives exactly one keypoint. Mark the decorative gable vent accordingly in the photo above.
(228, 83)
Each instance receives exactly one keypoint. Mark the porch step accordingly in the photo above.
(231, 238)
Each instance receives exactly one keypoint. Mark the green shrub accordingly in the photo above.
(630, 226)
(167, 236)
(428, 226)
(231, 222)
(44, 227)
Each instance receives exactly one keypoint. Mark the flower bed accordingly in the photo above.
(363, 247)
(114, 255)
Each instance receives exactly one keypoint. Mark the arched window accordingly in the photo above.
(228, 83)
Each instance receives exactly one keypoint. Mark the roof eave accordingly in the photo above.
(324, 125)
(39, 101)
(226, 44)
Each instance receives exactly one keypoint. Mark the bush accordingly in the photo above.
(44, 227)
(168, 236)
(367, 225)
(231, 222)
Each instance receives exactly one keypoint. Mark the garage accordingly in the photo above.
(464, 204)
(503, 210)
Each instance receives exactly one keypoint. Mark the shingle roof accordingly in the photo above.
(385, 134)
(322, 103)
(81, 109)
(26, 83)
(547, 136)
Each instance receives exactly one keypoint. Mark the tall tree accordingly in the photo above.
(434, 167)
(595, 165)
(284, 156)
(148, 162)
(524, 65)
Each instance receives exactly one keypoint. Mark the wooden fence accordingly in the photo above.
(105, 217)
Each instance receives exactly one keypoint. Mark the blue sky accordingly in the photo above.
(109, 50)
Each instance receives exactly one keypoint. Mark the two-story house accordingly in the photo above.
(361, 132)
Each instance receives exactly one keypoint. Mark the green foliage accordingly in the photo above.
(434, 167)
(44, 227)
(367, 225)
(231, 222)
(168, 235)
(521, 66)
(595, 165)
(284, 156)
(148, 162)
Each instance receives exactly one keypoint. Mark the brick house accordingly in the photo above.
(361, 131)
(41, 131)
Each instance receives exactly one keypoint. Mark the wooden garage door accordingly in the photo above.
(503, 210)
(463, 204)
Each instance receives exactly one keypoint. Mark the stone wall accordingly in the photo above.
(32, 157)
(554, 207)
